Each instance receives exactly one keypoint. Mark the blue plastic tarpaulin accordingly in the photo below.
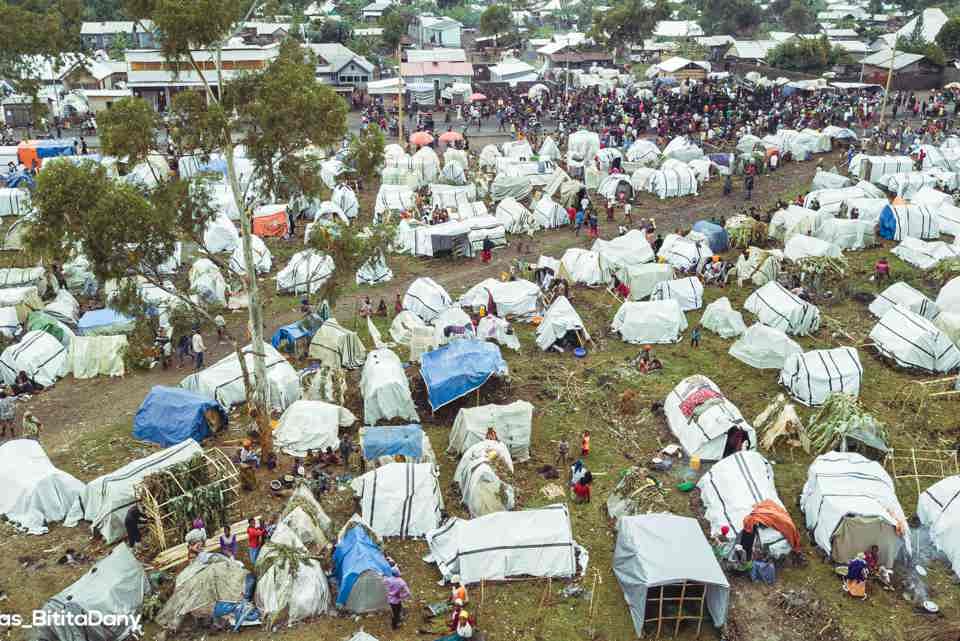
(170, 415)
(353, 556)
(404, 440)
(102, 319)
(289, 335)
(888, 223)
(717, 236)
(459, 368)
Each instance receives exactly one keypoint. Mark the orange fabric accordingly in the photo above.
(772, 515)
(899, 201)
(856, 588)
(27, 154)
(271, 225)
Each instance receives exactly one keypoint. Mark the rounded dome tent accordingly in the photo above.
(776, 306)
(290, 580)
(223, 381)
(208, 283)
(673, 182)
(306, 273)
(704, 420)
(40, 355)
(34, 491)
(684, 254)
(489, 155)
(403, 325)
(400, 499)
(330, 170)
(199, 587)
(811, 377)
(344, 198)
(683, 149)
(220, 235)
(583, 266)
(764, 347)
(607, 156)
(620, 254)
(948, 298)
(518, 298)
(898, 222)
(549, 214)
(426, 299)
(612, 186)
(939, 511)
(426, 165)
(915, 342)
(454, 174)
(335, 346)
(688, 292)
(385, 389)
(515, 218)
(643, 152)
(850, 504)
(650, 322)
(549, 149)
(481, 490)
(262, 258)
(717, 237)
(722, 319)
(582, 146)
(800, 247)
(641, 179)
(905, 296)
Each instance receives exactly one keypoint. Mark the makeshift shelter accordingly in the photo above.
(306, 273)
(948, 298)
(452, 324)
(674, 182)
(615, 186)
(688, 292)
(23, 299)
(208, 283)
(847, 234)
(171, 415)
(400, 499)
(764, 347)
(15, 234)
(220, 234)
(311, 426)
(535, 543)
(800, 247)
(293, 338)
(915, 342)
(517, 298)
(812, 376)
(481, 488)
(223, 381)
(14, 201)
(850, 504)
(512, 424)
(35, 492)
(515, 218)
(335, 346)
(393, 198)
(385, 389)
(200, 587)
(906, 184)
(939, 511)
(270, 221)
(583, 266)
(262, 258)
(948, 218)
(684, 254)
(733, 488)
(717, 237)
(483, 228)
(507, 186)
(829, 180)
(650, 322)
(456, 369)
(873, 168)
(374, 272)
(45, 322)
(550, 215)
(903, 295)
(9, 323)
(722, 319)
(898, 222)
(106, 500)
(760, 266)
(705, 422)
(426, 299)
(643, 152)
(786, 223)
(39, 354)
(925, 254)
(426, 165)
(643, 279)
(102, 605)
(560, 323)
(358, 570)
(682, 148)
(396, 444)
(291, 581)
(549, 149)
(641, 178)
(104, 322)
(582, 146)
(618, 255)
(776, 306)
(668, 573)
(489, 155)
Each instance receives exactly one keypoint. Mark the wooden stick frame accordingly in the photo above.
(697, 600)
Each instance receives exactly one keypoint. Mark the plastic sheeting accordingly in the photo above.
(811, 377)
(92, 356)
(717, 236)
(847, 234)
(311, 426)
(517, 298)
(549, 214)
(786, 223)
(913, 341)
(171, 415)
(722, 319)
(939, 510)
(104, 322)
(898, 222)
(426, 299)
(703, 430)
(459, 368)
(583, 266)
(683, 149)
(650, 322)
(905, 296)
(764, 347)
(374, 272)
(262, 258)
(400, 499)
(223, 381)
(925, 254)
(559, 319)
(511, 422)
(38, 354)
(688, 292)
(776, 306)
(684, 253)
(385, 389)
(335, 346)
(673, 182)
(619, 255)
(306, 273)
(800, 247)
(359, 563)
(481, 489)
(34, 491)
(397, 440)
(207, 283)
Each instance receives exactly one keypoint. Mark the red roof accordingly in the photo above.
(420, 69)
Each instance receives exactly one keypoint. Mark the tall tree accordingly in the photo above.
(366, 152)
(496, 19)
(798, 17)
(949, 38)
(734, 17)
(629, 22)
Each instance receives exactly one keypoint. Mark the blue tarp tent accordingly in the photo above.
(459, 368)
(404, 440)
(104, 322)
(353, 556)
(716, 235)
(288, 335)
(169, 415)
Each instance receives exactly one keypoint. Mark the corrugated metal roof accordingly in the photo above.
(900, 59)
(442, 68)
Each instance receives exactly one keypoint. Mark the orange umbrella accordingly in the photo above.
(450, 136)
(477, 96)
(421, 138)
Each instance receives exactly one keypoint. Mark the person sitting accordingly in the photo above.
(330, 457)
(382, 308)
(23, 384)
(249, 456)
(874, 567)
(581, 489)
(623, 291)
(855, 582)
(366, 307)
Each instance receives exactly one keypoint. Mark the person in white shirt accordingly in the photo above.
(198, 349)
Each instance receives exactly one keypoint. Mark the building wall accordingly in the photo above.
(915, 77)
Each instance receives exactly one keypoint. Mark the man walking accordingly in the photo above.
(695, 337)
(748, 186)
(198, 349)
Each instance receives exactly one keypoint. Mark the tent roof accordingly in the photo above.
(458, 368)
(169, 415)
(403, 440)
(667, 548)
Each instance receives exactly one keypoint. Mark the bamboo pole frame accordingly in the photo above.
(922, 464)
(696, 600)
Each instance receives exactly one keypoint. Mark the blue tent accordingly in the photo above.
(717, 236)
(103, 322)
(459, 368)
(169, 415)
(288, 335)
(404, 440)
(353, 556)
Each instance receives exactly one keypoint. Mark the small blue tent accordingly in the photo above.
(104, 322)
(404, 440)
(457, 369)
(287, 336)
(169, 415)
(353, 556)
(717, 236)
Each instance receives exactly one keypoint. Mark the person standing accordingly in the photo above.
(695, 337)
(578, 222)
(563, 450)
(32, 427)
(397, 593)
(183, 349)
(255, 536)
(198, 349)
(748, 186)
(228, 543)
(8, 413)
(585, 444)
(131, 523)
(221, 324)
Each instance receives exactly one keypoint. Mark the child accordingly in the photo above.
(228, 543)
(695, 337)
(585, 444)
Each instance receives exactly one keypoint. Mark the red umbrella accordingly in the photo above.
(421, 138)
(450, 136)
(477, 96)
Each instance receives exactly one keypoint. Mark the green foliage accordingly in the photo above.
(188, 24)
(119, 46)
(629, 22)
(39, 28)
(496, 19)
(949, 38)
(799, 18)
(735, 17)
(127, 128)
(332, 31)
(195, 124)
(394, 23)
(366, 151)
(469, 18)
(810, 55)
(930, 50)
(350, 248)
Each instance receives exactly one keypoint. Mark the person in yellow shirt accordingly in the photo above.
(585, 443)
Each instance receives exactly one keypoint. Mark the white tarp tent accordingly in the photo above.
(333, 345)
(702, 418)
(34, 492)
(221, 235)
(673, 182)
(223, 381)
(549, 214)
(913, 341)
(344, 198)
(684, 253)
(903, 295)
(14, 201)
(847, 234)
(374, 271)
(850, 503)
(311, 425)
(811, 377)
(948, 218)
(207, 283)
(393, 198)
(106, 500)
(721, 318)
(759, 267)
(873, 168)
(764, 347)
(907, 184)
(400, 499)
(582, 146)
(643, 279)
(620, 253)
(426, 165)
(262, 258)
(517, 298)
(683, 149)
(650, 322)
(481, 489)
(800, 247)
(297, 588)
(776, 306)
(899, 222)
(925, 254)
(426, 299)
(948, 298)
(829, 180)
(939, 511)
(511, 422)
(559, 319)
(306, 273)
(537, 543)
(38, 354)
(92, 356)
(643, 152)
(688, 292)
(786, 223)
(385, 389)
(515, 218)
(583, 266)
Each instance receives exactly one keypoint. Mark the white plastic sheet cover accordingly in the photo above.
(549, 149)
(489, 155)
(873, 168)
(34, 491)
(456, 156)
(704, 432)
(868, 209)
(106, 500)
(482, 491)
(426, 298)
(688, 292)
(829, 180)
(948, 298)
(374, 271)
(682, 148)
(311, 425)
(454, 174)
(642, 178)
(650, 322)
(402, 326)
(611, 185)
(515, 218)
(485, 228)
(583, 266)
(518, 149)
(38, 354)
(948, 218)
(622, 252)
(654, 550)
(512, 423)
(722, 319)
(64, 307)
(207, 283)
(764, 347)
(517, 298)
(400, 499)
(931, 197)
(673, 182)
(731, 489)
(9, 323)
(911, 221)
(643, 152)
(14, 201)
(426, 165)
(915, 342)
(220, 234)
(262, 258)
(847, 234)
(905, 296)
(925, 254)
(537, 543)
(811, 377)
(306, 273)
(223, 381)
(831, 199)
(333, 345)
(582, 146)
(549, 214)
(776, 306)
(800, 247)
(302, 592)
(907, 184)
(841, 484)
(92, 356)
(344, 198)
(393, 198)
(684, 253)
(938, 509)
(559, 319)
(385, 389)
(643, 279)
(793, 220)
